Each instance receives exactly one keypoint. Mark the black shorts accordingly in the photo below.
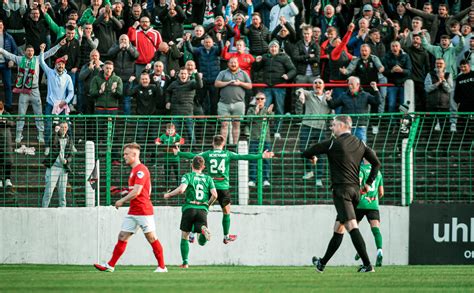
(223, 196)
(193, 218)
(370, 214)
(346, 198)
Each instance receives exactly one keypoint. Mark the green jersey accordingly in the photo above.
(169, 142)
(373, 192)
(198, 190)
(218, 164)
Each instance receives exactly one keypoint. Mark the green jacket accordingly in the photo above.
(60, 31)
(88, 16)
(107, 99)
(449, 54)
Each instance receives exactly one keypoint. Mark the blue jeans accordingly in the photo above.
(360, 132)
(253, 149)
(276, 96)
(189, 125)
(393, 94)
(127, 100)
(7, 83)
(336, 92)
(308, 136)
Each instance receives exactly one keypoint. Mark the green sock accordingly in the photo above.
(377, 236)
(184, 250)
(202, 240)
(226, 223)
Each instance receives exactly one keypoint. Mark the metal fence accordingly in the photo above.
(421, 160)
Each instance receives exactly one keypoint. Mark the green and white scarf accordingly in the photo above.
(24, 79)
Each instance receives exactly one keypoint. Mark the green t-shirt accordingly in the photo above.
(218, 164)
(198, 190)
(373, 192)
(168, 143)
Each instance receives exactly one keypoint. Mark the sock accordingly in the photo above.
(118, 251)
(333, 245)
(158, 251)
(202, 240)
(184, 251)
(377, 236)
(226, 223)
(359, 245)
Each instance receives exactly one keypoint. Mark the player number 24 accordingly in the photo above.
(216, 166)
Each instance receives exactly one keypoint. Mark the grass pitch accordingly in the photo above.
(54, 278)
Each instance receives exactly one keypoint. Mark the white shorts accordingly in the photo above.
(131, 223)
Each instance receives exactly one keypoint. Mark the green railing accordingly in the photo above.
(421, 161)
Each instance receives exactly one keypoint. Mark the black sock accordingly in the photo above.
(359, 245)
(333, 245)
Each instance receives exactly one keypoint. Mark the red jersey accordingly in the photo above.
(245, 60)
(141, 205)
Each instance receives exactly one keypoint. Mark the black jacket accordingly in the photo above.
(181, 96)
(124, 61)
(420, 63)
(356, 104)
(345, 154)
(258, 39)
(73, 52)
(463, 92)
(302, 60)
(55, 150)
(390, 60)
(146, 97)
(274, 67)
(172, 25)
(169, 59)
(106, 32)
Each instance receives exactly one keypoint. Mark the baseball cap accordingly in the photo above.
(368, 7)
(60, 59)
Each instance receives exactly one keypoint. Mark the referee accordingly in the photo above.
(345, 153)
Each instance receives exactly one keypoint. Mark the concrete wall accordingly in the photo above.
(267, 235)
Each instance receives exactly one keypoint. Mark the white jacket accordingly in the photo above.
(289, 11)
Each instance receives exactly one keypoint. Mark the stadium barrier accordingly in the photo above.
(422, 161)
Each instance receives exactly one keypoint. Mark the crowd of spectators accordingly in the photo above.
(193, 57)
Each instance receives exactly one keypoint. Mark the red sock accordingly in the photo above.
(118, 251)
(158, 251)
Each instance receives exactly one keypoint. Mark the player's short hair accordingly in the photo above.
(198, 162)
(417, 18)
(132, 145)
(218, 140)
(346, 120)
(170, 125)
(464, 62)
(443, 5)
(445, 37)
(29, 46)
(306, 27)
(331, 29)
(108, 62)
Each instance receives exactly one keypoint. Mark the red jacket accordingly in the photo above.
(146, 43)
(245, 59)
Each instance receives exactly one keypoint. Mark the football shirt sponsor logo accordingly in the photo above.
(140, 174)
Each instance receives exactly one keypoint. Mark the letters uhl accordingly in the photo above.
(451, 231)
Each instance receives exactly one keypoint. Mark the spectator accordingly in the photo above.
(446, 51)
(7, 45)
(124, 54)
(368, 14)
(277, 68)
(58, 165)
(317, 35)
(71, 53)
(356, 101)
(312, 130)
(468, 55)
(263, 8)
(62, 10)
(417, 29)
(133, 13)
(198, 100)
(91, 13)
(27, 85)
(258, 35)
(180, 99)
(87, 43)
(285, 34)
(106, 89)
(162, 80)
(359, 36)
(14, 12)
(106, 28)
(88, 71)
(36, 29)
(397, 70)
(439, 87)
(377, 43)
(220, 31)
(172, 21)
(306, 59)
(169, 55)
(329, 19)
(463, 91)
(146, 40)
(199, 35)
(420, 62)
(439, 22)
(285, 8)
(402, 16)
(466, 31)
(233, 82)
(57, 30)
(159, 10)
(170, 140)
(244, 59)
(146, 95)
(60, 91)
(6, 149)
(259, 109)
(208, 59)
